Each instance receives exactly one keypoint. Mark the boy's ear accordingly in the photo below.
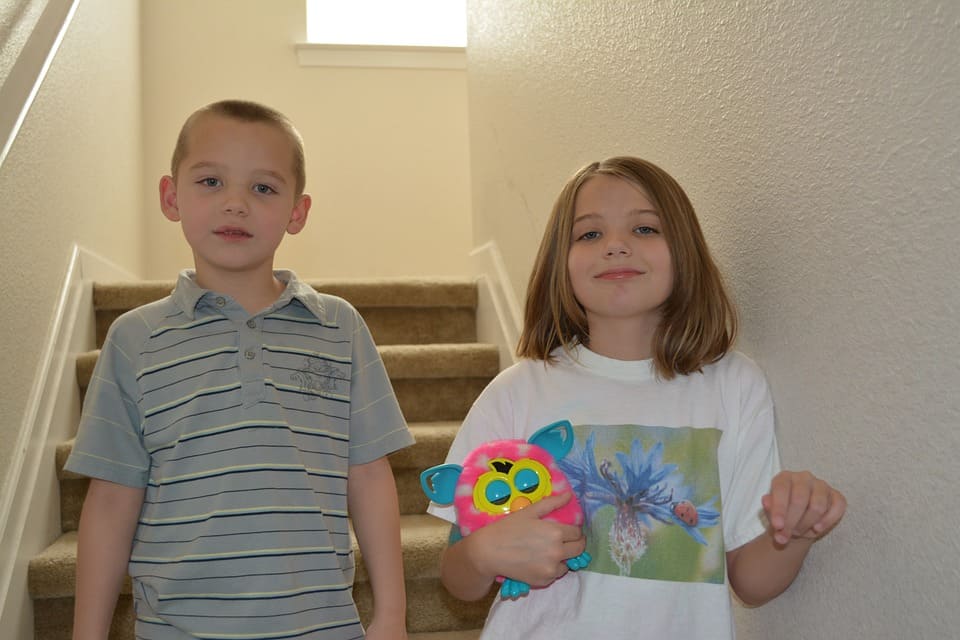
(168, 199)
(298, 217)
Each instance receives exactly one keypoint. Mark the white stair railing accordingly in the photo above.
(31, 32)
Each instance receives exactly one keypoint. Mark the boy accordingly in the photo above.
(229, 428)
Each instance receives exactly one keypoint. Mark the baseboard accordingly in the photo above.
(498, 312)
(29, 511)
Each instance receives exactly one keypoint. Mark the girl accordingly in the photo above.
(627, 334)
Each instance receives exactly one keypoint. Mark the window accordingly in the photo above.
(422, 23)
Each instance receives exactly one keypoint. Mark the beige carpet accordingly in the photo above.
(426, 330)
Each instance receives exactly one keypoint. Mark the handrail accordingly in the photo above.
(25, 76)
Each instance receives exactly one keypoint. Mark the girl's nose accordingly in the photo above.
(617, 247)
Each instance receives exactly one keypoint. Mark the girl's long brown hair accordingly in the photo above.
(699, 320)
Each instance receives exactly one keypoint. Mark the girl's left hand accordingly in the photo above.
(801, 505)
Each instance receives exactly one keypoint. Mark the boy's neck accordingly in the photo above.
(252, 292)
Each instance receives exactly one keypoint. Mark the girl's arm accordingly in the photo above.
(372, 501)
(107, 525)
(801, 509)
(521, 546)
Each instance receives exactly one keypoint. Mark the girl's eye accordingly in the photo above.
(209, 182)
(644, 230)
(589, 235)
(264, 188)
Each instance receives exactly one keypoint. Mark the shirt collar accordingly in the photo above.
(188, 294)
(580, 357)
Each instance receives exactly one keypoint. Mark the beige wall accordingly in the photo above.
(386, 150)
(72, 175)
(819, 142)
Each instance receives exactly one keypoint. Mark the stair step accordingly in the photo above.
(397, 310)
(433, 439)
(430, 608)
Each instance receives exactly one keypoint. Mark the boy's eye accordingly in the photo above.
(264, 188)
(209, 182)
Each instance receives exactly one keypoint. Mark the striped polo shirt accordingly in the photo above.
(241, 429)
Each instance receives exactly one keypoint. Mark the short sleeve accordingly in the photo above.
(377, 426)
(484, 422)
(755, 461)
(109, 444)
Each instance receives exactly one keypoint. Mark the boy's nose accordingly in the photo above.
(235, 205)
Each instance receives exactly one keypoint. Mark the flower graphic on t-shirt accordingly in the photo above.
(644, 491)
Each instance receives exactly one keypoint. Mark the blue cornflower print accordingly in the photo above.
(643, 490)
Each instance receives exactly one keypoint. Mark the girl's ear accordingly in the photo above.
(168, 199)
(298, 217)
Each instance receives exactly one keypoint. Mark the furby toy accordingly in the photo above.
(503, 476)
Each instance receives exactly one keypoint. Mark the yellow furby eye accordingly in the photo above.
(491, 493)
(531, 479)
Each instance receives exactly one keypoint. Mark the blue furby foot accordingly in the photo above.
(580, 562)
(513, 589)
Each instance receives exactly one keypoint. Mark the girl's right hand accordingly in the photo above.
(526, 547)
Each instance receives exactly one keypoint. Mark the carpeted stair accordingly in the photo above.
(426, 332)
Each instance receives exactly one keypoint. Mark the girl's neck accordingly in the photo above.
(621, 339)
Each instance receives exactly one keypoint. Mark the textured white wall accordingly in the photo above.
(387, 154)
(820, 143)
(72, 175)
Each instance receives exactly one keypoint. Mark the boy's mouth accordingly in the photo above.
(232, 232)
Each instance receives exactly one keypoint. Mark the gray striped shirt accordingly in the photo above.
(241, 428)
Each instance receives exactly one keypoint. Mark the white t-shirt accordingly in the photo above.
(670, 474)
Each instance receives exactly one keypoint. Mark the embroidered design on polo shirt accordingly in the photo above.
(316, 378)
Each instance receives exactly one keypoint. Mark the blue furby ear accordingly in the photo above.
(440, 482)
(556, 438)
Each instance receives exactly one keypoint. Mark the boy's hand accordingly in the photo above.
(525, 547)
(387, 631)
(800, 505)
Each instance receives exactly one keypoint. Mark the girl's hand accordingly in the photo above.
(800, 505)
(525, 547)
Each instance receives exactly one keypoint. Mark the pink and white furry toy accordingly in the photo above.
(503, 476)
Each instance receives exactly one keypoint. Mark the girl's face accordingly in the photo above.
(619, 261)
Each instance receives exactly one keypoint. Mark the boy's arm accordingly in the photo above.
(374, 510)
(521, 546)
(801, 509)
(107, 525)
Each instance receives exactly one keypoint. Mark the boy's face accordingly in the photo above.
(235, 196)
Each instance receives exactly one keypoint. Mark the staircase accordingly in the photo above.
(426, 332)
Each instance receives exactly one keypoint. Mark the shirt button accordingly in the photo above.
(220, 302)
(252, 323)
(249, 354)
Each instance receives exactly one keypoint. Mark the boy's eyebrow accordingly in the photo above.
(632, 212)
(203, 164)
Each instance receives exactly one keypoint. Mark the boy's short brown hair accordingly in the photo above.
(245, 111)
(699, 321)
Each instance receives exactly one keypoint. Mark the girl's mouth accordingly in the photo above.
(618, 274)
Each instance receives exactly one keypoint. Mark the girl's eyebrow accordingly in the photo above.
(632, 212)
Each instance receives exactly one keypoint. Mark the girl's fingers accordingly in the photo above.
(838, 506)
(802, 505)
